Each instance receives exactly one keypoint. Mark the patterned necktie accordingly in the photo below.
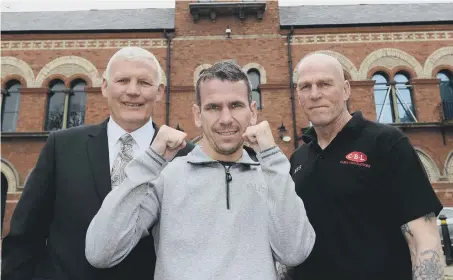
(122, 159)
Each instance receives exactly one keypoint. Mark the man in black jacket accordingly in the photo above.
(76, 169)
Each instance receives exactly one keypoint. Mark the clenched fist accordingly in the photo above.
(259, 137)
(168, 142)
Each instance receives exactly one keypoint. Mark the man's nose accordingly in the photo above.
(315, 92)
(132, 88)
(225, 116)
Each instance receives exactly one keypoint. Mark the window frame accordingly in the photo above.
(258, 88)
(68, 93)
(5, 94)
(393, 92)
(449, 75)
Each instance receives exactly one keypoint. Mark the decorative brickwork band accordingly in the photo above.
(372, 37)
(82, 44)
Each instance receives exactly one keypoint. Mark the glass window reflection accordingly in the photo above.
(55, 105)
(404, 98)
(77, 101)
(254, 77)
(10, 106)
(383, 110)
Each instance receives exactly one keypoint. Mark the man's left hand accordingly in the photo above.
(259, 137)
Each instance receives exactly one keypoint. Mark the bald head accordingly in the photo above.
(317, 60)
(322, 89)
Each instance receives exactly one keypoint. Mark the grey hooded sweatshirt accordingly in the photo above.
(209, 222)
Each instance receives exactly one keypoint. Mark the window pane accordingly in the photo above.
(404, 96)
(404, 114)
(446, 91)
(55, 109)
(384, 110)
(256, 97)
(254, 77)
(401, 78)
(10, 107)
(443, 77)
(446, 86)
(77, 103)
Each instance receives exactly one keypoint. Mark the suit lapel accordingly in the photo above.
(156, 129)
(98, 155)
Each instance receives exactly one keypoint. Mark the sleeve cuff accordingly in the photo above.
(268, 153)
(156, 157)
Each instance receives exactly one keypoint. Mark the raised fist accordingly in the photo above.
(168, 142)
(259, 137)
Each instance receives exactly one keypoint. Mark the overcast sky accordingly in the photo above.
(66, 5)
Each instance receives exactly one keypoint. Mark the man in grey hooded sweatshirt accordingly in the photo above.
(215, 213)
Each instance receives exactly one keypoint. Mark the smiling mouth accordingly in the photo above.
(227, 133)
(129, 104)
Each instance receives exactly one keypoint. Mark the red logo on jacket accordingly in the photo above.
(356, 156)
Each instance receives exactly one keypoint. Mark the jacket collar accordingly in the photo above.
(197, 156)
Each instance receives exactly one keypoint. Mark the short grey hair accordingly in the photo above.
(225, 70)
(134, 53)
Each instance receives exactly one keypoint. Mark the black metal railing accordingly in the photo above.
(447, 109)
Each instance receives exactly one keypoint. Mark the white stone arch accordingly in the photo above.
(14, 66)
(198, 70)
(389, 58)
(68, 66)
(253, 65)
(11, 175)
(431, 168)
(449, 167)
(347, 64)
(442, 56)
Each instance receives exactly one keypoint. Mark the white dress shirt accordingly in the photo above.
(142, 136)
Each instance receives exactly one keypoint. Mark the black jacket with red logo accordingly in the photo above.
(358, 192)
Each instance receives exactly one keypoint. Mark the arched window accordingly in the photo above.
(403, 96)
(10, 105)
(77, 101)
(382, 101)
(446, 93)
(254, 77)
(65, 107)
(55, 105)
(393, 99)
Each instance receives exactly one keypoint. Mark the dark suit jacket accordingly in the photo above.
(62, 195)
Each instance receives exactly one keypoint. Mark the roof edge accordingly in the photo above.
(288, 26)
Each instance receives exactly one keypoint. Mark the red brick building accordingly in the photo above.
(398, 58)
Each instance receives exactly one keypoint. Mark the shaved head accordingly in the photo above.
(322, 89)
(319, 58)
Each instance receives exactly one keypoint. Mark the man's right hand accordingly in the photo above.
(168, 142)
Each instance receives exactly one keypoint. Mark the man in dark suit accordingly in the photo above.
(76, 169)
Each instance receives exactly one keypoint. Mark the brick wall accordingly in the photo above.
(361, 50)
